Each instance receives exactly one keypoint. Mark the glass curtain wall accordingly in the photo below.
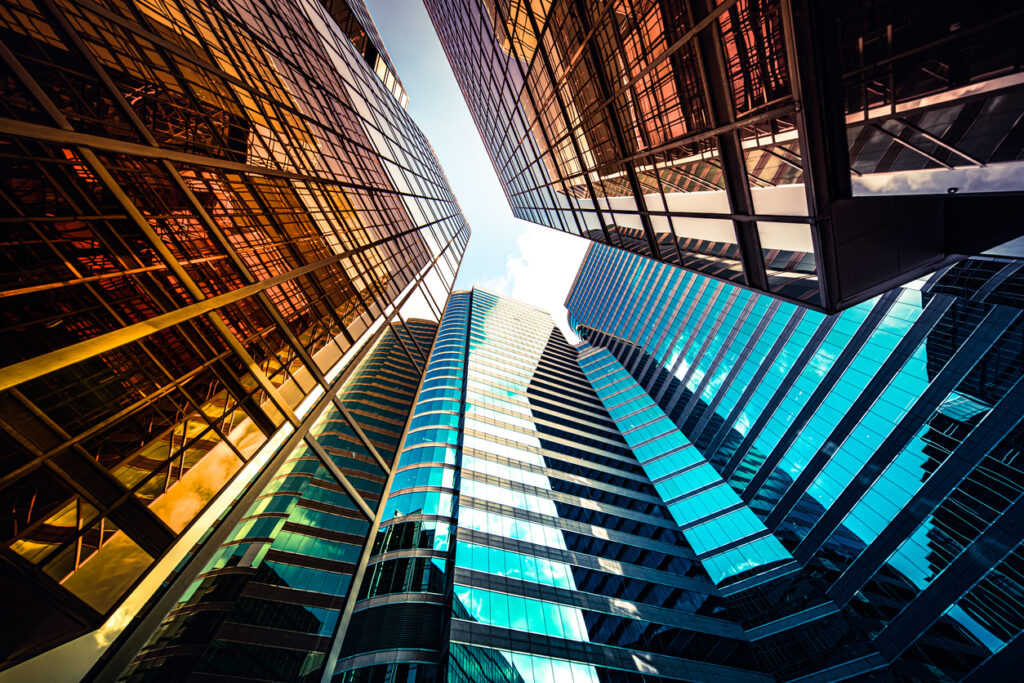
(761, 142)
(880, 447)
(207, 208)
(267, 604)
(521, 539)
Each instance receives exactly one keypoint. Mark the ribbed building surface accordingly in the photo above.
(820, 151)
(207, 208)
(521, 540)
(877, 453)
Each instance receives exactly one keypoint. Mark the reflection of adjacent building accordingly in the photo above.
(267, 603)
(822, 154)
(355, 22)
(197, 233)
(995, 601)
(880, 446)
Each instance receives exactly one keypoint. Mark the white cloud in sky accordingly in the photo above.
(541, 271)
(506, 255)
(999, 177)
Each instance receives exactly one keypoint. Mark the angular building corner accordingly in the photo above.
(855, 482)
(212, 222)
(820, 152)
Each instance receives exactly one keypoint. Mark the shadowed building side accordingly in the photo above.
(817, 152)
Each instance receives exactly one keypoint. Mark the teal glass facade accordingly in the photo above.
(267, 604)
(521, 539)
(878, 452)
(728, 538)
(537, 511)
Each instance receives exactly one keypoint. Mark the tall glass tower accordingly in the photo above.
(866, 466)
(209, 209)
(521, 540)
(823, 152)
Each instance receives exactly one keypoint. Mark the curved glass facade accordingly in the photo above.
(532, 544)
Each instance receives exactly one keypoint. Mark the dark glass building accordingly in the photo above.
(861, 469)
(210, 209)
(822, 152)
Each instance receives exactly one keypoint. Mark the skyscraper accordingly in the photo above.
(210, 210)
(521, 541)
(821, 152)
(877, 451)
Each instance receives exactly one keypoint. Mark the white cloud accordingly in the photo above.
(1001, 177)
(541, 271)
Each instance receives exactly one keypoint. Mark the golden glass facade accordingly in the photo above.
(268, 603)
(783, 145)
(207, 207)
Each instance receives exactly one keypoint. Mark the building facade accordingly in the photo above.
(535, 513)
(521, 540)
(546, 520)
(820, 152)
(210, 209)
(871, 458)
(268, 602)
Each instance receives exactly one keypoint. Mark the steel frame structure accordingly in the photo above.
(610, 120)
(194, 249)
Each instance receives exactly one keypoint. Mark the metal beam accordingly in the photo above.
(730, 148)
(788, 162)
(35, 131)
(357, 578)
(33, 368)
(708, 19)
(618, 131)
(909, 145)
(981, 555)
(136, 217)
(340, 477)
(133, 639)
(419, 349)
(362, 435)
(570, 130)
(939, 141)
(812, 50)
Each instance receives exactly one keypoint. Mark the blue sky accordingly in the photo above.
(528, 262)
